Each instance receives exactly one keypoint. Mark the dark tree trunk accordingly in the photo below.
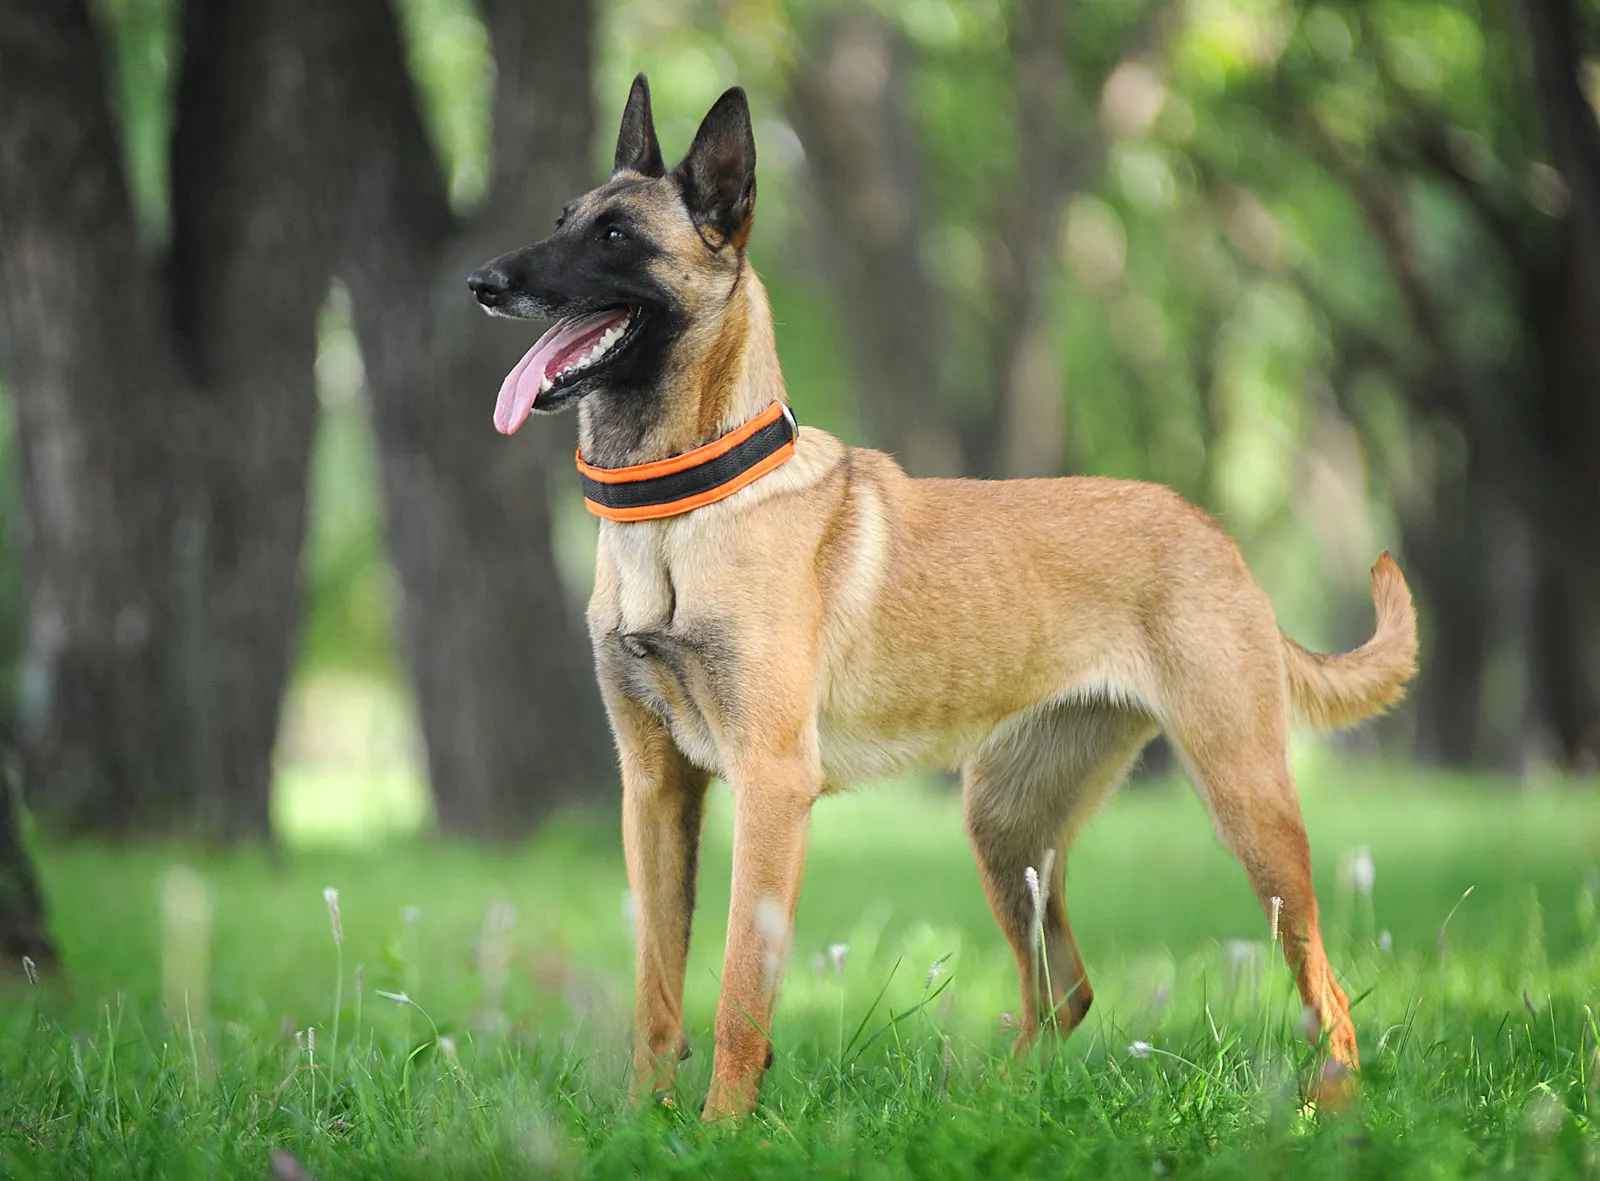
(504, 680)
(163, 441)
(1447, 561)
(251, 265)
(847, 98)
(1532, 434)
(1565, 327)
(99, 405)
(1026, 433)
(23, 931)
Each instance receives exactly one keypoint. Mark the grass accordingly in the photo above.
(509, 1057)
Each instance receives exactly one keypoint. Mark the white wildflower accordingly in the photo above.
(1363, 873)
(331, 897)
(1035, 892)
(1140, 1049)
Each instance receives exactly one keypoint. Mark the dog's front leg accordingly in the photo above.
(772, 821)
(663, 797)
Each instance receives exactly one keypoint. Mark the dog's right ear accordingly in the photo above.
(638, 150)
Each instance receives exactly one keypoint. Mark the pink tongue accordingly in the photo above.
(566, 340)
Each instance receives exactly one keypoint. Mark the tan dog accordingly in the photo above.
(829, 619)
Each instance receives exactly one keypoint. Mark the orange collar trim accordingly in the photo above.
(669, 487)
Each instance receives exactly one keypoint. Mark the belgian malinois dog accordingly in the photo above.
(795, 615)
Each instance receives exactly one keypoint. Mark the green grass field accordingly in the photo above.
(511, 1058)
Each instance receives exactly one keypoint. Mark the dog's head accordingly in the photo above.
(631, 265)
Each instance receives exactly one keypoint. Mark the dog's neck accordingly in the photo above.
(722, 373)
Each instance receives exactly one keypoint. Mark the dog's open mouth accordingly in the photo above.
(573, 348)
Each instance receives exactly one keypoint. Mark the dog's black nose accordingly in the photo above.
(488, 285)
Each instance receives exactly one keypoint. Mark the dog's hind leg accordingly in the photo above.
(663, 797)
(1233, 735)
(1026, 791)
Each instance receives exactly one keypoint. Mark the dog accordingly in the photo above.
(796, 615)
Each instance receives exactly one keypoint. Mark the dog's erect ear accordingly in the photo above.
(718, 176)
(638, 150)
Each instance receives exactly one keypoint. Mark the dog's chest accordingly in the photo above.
(657, 650)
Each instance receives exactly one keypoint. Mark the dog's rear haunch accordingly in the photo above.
(796, 615)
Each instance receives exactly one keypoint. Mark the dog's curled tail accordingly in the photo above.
(1342, 689)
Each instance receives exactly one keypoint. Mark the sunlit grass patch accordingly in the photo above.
(483, 1004)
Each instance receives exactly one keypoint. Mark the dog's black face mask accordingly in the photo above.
(614, 321)
(620, 271)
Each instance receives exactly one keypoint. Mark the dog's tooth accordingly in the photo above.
(544, 386)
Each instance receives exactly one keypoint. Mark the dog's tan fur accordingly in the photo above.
(838, 620)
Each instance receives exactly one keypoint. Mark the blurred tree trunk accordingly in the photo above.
(1026, 431)
(100, 405)
(1446, 560)
(163, 428)
(22, 921)
(250, 268)
(504, 681)
(1532, 431)
(1565, 324)
(848, 99)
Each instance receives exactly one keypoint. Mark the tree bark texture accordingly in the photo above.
(164, 412)
(1532, 428)
(1565, 326)
(504, 680)
(847, 98)
(1027, 429)
(848, 103)
(23, 931)
(99, 403)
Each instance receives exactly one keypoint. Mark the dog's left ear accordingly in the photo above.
(718, 176)
(638, 150)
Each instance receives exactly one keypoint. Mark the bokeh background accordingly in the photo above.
(1331, 270)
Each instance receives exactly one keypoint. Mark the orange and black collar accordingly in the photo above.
(667, 487)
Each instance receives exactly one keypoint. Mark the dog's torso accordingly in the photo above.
(900, 622)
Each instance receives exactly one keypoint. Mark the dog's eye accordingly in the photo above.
(614, 235)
